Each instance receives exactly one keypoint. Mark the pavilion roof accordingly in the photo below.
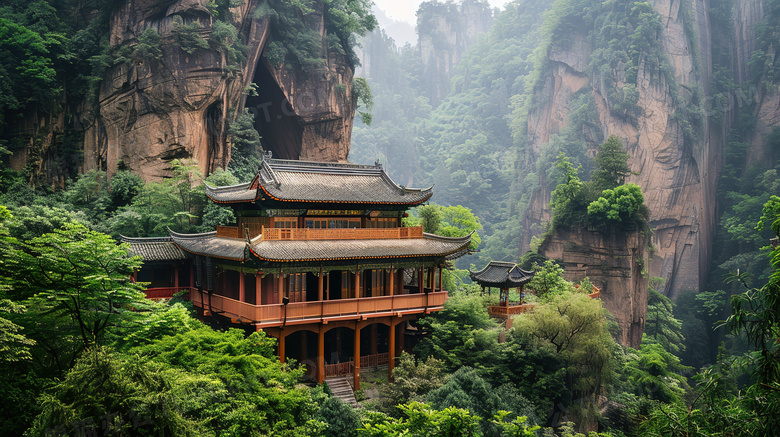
(154, 248)
(178, 246)
(208, 244)
(336, 250)
(501, 275)
(295, 181)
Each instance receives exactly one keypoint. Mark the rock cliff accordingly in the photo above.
(444, 32)
(614, 263)
(676, 170)
(153, 111)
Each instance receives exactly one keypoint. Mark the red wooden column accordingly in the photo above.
(321, 355)
(441, 279)
(281, 345)
(192, 276)
(241, 287)
(258, 288)
(176, 277)
(433, 279)
(421, 280)
(391, 352)
(280, 287)
(356, 356)
(357, 285)
(391, 283)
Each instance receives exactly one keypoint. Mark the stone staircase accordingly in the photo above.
(341, 388)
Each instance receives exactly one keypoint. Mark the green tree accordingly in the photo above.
(188, 35)
(430, 218)
(462, 334)
(655, 373)
(548, 279)
(611, 165)
(104, 390)
(340, 418)
(124, 186)
(621, 207)
(246, 151)
(78, 276)
(412, 381)
(661, 325)
(567, 198)
(420, 419)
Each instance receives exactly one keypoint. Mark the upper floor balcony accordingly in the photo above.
(274, 234)
(325, 311)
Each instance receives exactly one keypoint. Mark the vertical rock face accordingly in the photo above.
(445, 32)
(614, 263)
(152, 112)
(677, 175)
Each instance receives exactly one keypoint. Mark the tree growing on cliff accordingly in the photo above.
(619, 208)
(611, 165)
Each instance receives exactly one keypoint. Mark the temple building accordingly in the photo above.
(319, 258)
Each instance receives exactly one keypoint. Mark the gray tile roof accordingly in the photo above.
(209, 244)
(501, 274)
(306, 181)
(232, 193)
(154, 248)
(333, 250)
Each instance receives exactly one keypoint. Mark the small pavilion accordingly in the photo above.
(504, 276)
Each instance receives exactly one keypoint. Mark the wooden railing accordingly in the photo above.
(338, 369)
(228, 232)
(347, 367)
(164, 292)
(502, 311)
(272, 234)
(307, 312)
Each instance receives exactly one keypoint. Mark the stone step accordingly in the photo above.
(341, 388)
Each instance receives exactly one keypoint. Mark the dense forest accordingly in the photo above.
(82, 352)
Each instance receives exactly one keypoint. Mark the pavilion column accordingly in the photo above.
(433, 279)
(356, 356)
(327, 286)
(281, 345)
(391, 282)
(135, 275)
(176, 276)
(192, 276)
(320, 285)
(421, 280)
(258, 289)
(441, 279)
(321, 355)
(391, 352)
(241, 287)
